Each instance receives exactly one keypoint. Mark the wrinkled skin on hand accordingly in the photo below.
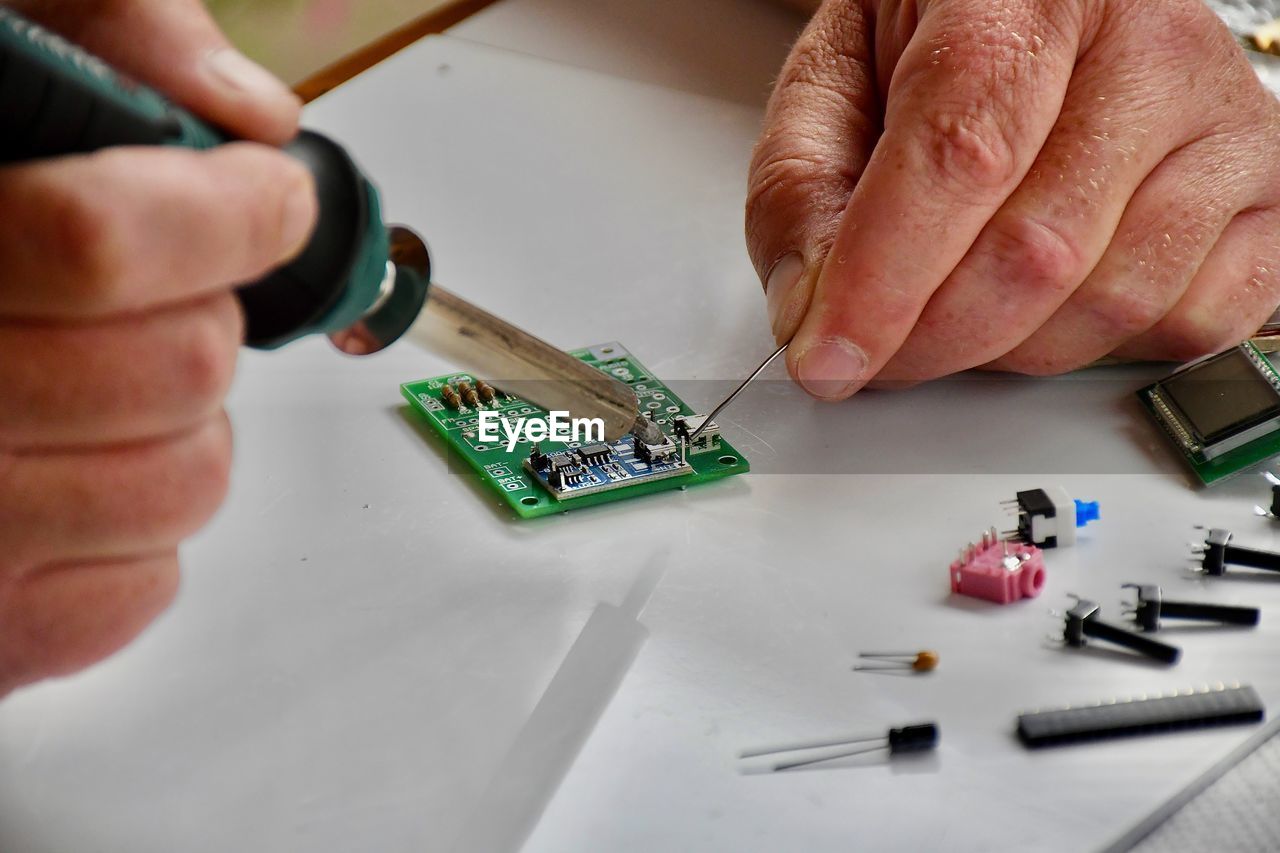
(1022, 185)
(119, 331)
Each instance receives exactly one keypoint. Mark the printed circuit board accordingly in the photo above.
(542, 477)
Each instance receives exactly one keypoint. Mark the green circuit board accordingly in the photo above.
(556, 476)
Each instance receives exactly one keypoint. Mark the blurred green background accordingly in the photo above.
(296, 38)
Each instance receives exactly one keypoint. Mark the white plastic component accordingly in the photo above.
(1062, 525)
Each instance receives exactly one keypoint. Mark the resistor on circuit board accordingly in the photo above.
(450, 396)
(469, 395)
(487, 392)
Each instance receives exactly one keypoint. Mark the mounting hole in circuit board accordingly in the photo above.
(728, 460)
(529, 500)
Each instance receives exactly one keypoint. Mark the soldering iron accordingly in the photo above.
(360, 282)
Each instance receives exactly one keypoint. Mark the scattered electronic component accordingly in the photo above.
(1048, 518)
(1216, 553)
(1223, 412)
(1216, 706)
(1272, 511)
(1151, 607)
(540, 476)
(920, 737)
(1082, 623)
(922, 661)
(998, 570)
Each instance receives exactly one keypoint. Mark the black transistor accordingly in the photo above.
(920, 737)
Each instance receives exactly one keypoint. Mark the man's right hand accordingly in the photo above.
(1022, 185)
(119, 330)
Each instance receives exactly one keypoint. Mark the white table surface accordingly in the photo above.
(726, 49)
(361, 635)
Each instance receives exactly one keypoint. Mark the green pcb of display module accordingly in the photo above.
(541, 477)
(1222, 412)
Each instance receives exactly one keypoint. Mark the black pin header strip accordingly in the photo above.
(1219, 707)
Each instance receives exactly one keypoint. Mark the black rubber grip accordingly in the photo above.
(56, 99)
(45, 113)
(297, 295)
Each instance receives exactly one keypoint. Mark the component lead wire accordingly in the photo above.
(727, 400)
(814, 744)
(807, 761)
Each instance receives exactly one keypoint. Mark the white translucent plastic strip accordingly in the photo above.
(550, 740)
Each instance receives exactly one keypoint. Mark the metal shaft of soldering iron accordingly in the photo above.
(526, 366)
(357, 280)
(727, 400)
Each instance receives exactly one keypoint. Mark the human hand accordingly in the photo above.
(119, 331)
(1026, 185)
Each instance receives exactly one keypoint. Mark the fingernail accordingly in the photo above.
(243, 76)
(831, 367)
(779, 285)
(297, 216)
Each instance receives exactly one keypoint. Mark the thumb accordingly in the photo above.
(821, 125)
(175, 47)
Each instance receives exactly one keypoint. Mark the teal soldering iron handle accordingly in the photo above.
(356, 280)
